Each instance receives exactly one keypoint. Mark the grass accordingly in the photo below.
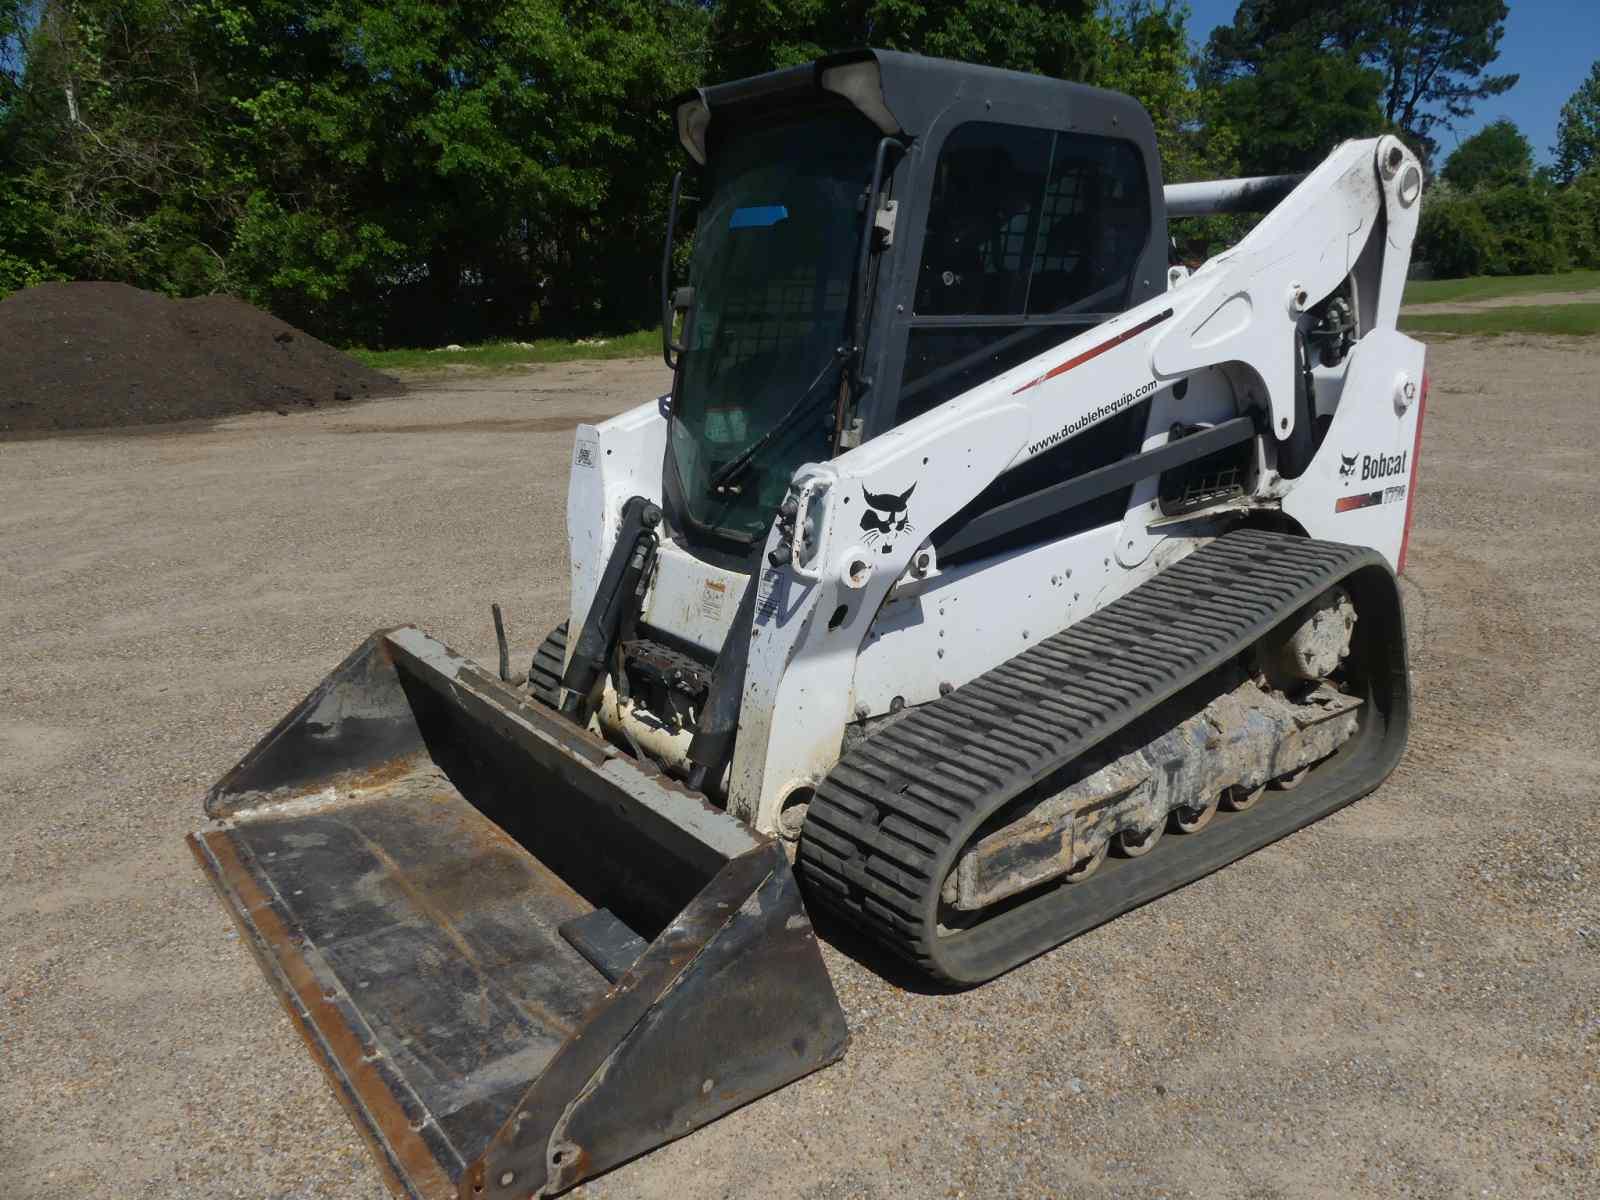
(505, 355)
(1487, 287)
(1574, 320)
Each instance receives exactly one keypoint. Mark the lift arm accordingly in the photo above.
(1239, 310)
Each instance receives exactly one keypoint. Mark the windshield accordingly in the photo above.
(774, 259)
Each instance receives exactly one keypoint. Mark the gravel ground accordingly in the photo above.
(1403, 1000)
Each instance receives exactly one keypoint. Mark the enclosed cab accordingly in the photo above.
(1009, 213)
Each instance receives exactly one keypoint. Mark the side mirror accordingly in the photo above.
(877, 234)
(670, 302)
(682, 304)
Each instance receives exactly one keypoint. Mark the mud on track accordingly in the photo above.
(1401, 1000)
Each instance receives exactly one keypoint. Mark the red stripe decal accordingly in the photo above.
(1096, 352)
(1351, 503)
(1411, 492)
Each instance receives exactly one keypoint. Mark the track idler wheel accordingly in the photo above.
(1288, 783)
(1086, 867)
(1136, 843)
(1193, 820)
(1240, 799)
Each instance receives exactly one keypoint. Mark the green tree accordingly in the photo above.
(1290, 81)
(1577, 145)
(1454, 237)
(369, 170)
(22, 212)
(1434, 54)
(1263, 28)
(1431, 54)
(1497, 154)
(410, 172)
(1133, 46)
(24, 216)
(103, 137)
(1528, 230)
(16, 18)
(471, 168)
(1143, 50)
(1523, 228)
(1578, 212)
(1044, 36)
(1300, 103)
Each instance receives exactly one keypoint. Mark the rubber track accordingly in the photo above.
(887, 823)
(549, 660)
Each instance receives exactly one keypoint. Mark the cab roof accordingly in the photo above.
(902, 94)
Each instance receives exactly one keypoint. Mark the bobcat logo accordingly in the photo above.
(1347, 465)
(886, 515)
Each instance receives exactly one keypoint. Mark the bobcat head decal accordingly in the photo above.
(886, 515)
(1347, 465)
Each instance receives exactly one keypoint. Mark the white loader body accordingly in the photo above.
(854, 629)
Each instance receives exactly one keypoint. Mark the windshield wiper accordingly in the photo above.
(733, 469)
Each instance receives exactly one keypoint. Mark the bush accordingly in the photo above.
(1496, 154)
(1578, 214)
(1523, 218)
(1527, 228)
(24, 216)
(1454, 237)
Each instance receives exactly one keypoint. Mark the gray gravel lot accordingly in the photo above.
(1403, 1000)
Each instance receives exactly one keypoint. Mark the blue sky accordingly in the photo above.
(1550, 43)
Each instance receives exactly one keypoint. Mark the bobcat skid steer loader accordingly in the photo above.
(983, 576)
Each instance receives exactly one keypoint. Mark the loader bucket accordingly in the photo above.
(520, 956)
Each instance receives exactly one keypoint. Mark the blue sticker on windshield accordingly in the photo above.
(760, 217)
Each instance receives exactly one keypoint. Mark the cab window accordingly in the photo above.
(1032, 236)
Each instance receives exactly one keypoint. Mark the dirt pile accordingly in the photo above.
(86, 355)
